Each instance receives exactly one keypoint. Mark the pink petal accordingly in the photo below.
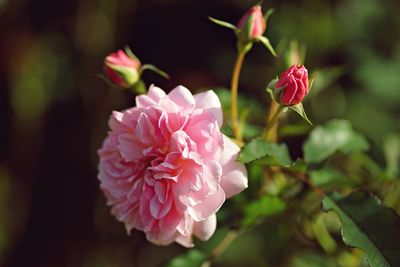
(208, 206)
(165, 168)
(205, 132)
(115, 120)
(152, 97)
(209, 101)
(129, 148)
(290, 91)
(185, 225)
(145, 129)
(161, 238)
(205, 229)
(144, 101)
(182, 97)
(155, 93)
(234, 174)
(185, 241)
(159, 210)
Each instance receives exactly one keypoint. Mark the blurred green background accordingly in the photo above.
(54, 110)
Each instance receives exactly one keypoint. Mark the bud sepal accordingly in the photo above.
(123, 70)
(299, 109)
(276, 95)
(250, 29)
(153, 69)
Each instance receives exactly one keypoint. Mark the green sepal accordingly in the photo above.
(223, 23)
(139, 88)
(245, 40)
(244, 47)
(264, 40)
(130, 54)
(267, 15)
(154, 69)
(271, 89)
(129, 75)
(275, 93)
(272, 84)
(278, 93)
(311, 82)
(246, 30)
(300, 110)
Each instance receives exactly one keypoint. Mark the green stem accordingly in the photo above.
(234, 94)
(221, 247)
(270, 132)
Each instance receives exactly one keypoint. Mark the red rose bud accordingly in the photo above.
(122, 69)
(253, 22)
(292, 86)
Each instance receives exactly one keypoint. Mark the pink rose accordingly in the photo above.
(292, 86)
(122, 69)
(257, 23)
(165, 167)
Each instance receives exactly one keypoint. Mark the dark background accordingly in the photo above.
(54, 110)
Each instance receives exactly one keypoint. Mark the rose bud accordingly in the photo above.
(122, 68)
(252, 23)
(292, 86)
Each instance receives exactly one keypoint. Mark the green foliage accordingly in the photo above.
(391, 150)
(368, 225)
(289, 130)
(252, 126)
(262, 208)
(310, 259)
(48, 74)
(336, 135)
(330, 178)
(254, 107)
(265, 153)
(192, 258)
(322, 235)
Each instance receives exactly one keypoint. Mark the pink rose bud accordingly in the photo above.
(122, 69)
(256, 24)
(292, 86)
(166, 168)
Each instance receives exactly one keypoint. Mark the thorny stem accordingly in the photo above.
(234, 94)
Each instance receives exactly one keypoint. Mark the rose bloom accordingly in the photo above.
(257, 23)
(122, 69)
(165, 167)
(292, 85)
